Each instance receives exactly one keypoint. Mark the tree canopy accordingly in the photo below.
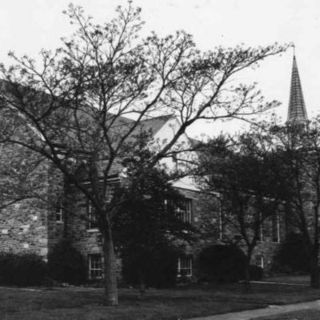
(149, 230)
(245, 173)
(85, 101)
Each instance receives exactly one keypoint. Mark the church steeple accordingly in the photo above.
(297, 113)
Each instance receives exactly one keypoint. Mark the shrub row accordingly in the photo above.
(293, 255)
(219, 263)
(65, 264)
(22, 269)
(156, 268)
(225, 264)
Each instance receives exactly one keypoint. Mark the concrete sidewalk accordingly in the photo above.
(269, 311)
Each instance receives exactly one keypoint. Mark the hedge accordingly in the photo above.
(26, 269)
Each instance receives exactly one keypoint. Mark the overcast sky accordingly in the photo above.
(27, 26)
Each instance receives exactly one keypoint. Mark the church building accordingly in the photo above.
(29, 226)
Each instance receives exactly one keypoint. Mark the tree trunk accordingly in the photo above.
(247, 286)
(314, 265)
(314, 271)
(110, 272)
(142, 288)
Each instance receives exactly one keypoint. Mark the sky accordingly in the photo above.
(27, 26)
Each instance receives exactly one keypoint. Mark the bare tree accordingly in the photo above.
(87, 100)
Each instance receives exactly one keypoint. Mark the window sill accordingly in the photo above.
(93, 230)
(184, 276)
(95, 278)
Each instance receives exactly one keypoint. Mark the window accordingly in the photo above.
(59, 212)
(261, 230)
(261, 233)
(276, 228)
(221, 220)
(110, 192)
(95, 266)
(185, 266)
(184, 210)
(260, 261)
(91, 215)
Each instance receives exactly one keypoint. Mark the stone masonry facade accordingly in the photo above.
(24, 228)
(32, 226)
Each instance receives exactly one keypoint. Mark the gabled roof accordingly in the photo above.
(154, 124)
(297, 112)
(118, 123)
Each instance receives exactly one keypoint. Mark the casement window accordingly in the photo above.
(261, 230)
(95, 266)
(59, 212)
(184, 210)
(221, 220)
(110, 192)
(260, 261)
(184, 266)
(261, 233)
(276, 228)
(91, 216)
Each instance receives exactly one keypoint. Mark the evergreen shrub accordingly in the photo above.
(221, 263)
(292, 256)
(256, 273)
(26, 269)
(158, 267)
(66, 264)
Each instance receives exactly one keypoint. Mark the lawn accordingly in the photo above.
(294, 279)
(76, 303)
(295, 315)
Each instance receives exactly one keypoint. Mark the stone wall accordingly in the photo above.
(30, 225)
(24, 224)
(23, 228)
(86, 240)
(89, 241)
(205, 217)
(55, 204)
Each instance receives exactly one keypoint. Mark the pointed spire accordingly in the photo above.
(297, 113)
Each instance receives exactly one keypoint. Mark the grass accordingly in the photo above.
(294, 279)
(75, 303)
(295, 315)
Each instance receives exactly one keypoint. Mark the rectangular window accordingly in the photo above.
(91, 216)
(221, 220)
(261, 229)
(185, 266)
(260, 261)
(260, 235)
(110, 192)
(184, 210)
(59, 212)
(276, 228)
(95, 266)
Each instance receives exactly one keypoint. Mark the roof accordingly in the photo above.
(87, 115)
(194, 142)
(297, 112)
(154, 124)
